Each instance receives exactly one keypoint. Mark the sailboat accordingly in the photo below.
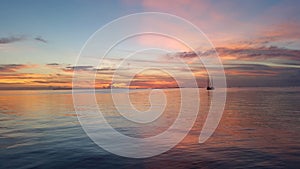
(209, 85)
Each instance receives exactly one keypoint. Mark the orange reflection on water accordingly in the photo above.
(35, 103)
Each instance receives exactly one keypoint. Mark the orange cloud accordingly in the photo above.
(251, 72)
(152, 79)
(16, 67)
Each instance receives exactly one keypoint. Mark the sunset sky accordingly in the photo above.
(257, 41)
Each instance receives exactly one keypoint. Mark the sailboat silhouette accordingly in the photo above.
(210, 85)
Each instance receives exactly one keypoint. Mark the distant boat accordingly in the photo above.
(210, 85)
(210, 88)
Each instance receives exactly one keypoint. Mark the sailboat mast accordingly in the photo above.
(208, 81)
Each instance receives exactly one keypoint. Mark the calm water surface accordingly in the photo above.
(260, 128)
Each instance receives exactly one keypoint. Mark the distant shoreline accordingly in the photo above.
(3, 89)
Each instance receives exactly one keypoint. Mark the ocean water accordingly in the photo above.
(260, 128)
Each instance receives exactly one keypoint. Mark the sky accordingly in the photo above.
(257, 41)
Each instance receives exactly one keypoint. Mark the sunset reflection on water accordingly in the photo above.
(259, 128)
